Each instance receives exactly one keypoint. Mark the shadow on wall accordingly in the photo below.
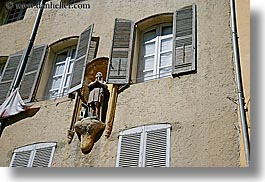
(15, 118)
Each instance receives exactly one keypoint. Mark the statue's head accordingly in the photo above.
(98, 76)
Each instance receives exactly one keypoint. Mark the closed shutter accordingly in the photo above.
(121, 52)
(156, 147)
(32, 71)
(36, 155)
(184, 41)
(81, 59)
(21, 159)
(9, 75)
(145, 146)
(43, 157)
(129, 148)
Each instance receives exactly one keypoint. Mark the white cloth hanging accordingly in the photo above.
(13, 105)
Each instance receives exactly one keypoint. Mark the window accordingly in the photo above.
(15, 14)
(156, 53)
(36, 155)
(145, 146)
(61, 73)
(155, 47)
(64, 69)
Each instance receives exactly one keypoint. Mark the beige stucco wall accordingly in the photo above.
(204, 121)
(49, 124)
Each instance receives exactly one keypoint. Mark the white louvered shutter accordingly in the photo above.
(157, 145)
(43, 155)
(36, 155)
(21, 159)
(129, 148)
(145, 146)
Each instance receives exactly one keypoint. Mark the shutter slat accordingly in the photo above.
(184, 41)
(121, 52)
(82, 57)
(32, 73)
(9, 75)
(156, 148)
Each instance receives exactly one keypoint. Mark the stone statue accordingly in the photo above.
(96, 96)
(92, 117)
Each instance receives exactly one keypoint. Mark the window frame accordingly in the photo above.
(64, 75)
(158, 39)
(142, 153)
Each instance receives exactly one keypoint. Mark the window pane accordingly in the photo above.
(149, 62)
(59, 69)
(65, 91)
(73, 54)
(61, 57)
(53, 94)
(149, 48)
(67, 81)
(149, 75)
(167, 30)
(166, 45)
(56, 82)
(163, 72)
(150, 35)
(70, 68)
(15, 14)
(165, 59)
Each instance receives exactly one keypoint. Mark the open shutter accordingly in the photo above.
(121, 52)
(9, 75)
(93, 48)
(157, 143)
(184, 40)
(43, 155)
(31, 74)
(81, 59)
(129, 148)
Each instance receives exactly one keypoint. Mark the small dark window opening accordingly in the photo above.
(15, 14)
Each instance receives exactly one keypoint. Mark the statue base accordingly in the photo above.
(89, 131)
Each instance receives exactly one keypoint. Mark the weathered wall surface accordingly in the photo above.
(204, 121)
(49, 124)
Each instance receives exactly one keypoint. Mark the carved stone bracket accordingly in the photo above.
(89, 131)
